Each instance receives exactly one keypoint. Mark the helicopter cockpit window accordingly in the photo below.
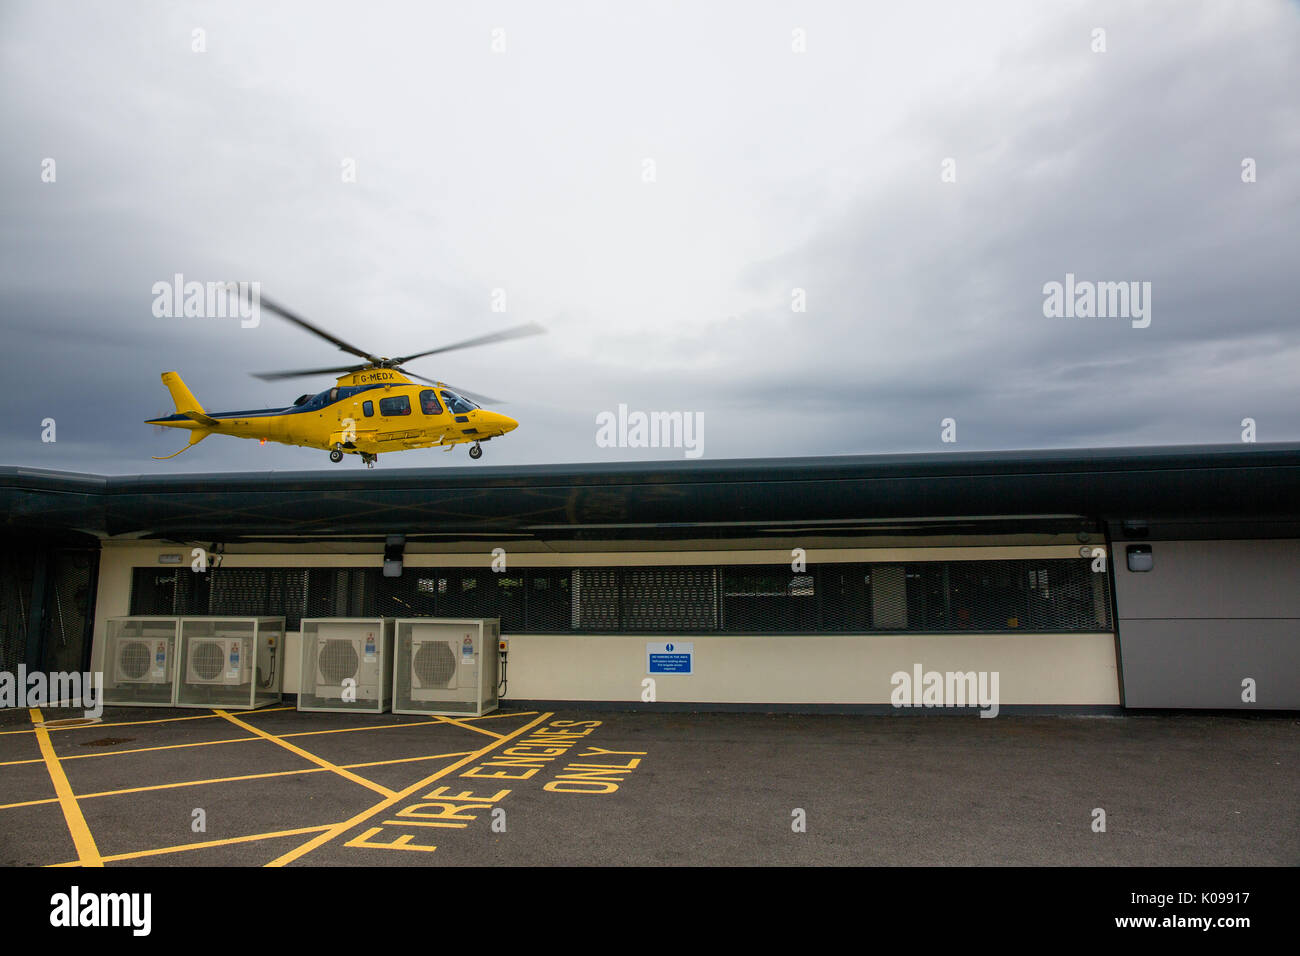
(395, 405)
(429, 402)
(334, 394)
(458, 405)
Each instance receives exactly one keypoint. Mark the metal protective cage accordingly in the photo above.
(446, 666)
(230, 662)
(346, 664)
(138, 659)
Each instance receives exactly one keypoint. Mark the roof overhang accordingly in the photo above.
(1222, 490)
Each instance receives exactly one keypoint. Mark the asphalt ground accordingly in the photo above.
(151, 786)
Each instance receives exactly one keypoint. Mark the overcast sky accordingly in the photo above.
(788, 146)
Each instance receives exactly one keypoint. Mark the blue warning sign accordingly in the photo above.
(670, 658)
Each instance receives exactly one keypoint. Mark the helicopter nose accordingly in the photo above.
(507, 423)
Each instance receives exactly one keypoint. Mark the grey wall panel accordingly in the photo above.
(1201, 663)
(1208, 615)
(1205, 579)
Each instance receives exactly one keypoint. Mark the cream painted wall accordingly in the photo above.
(292, 662)
(823, 668)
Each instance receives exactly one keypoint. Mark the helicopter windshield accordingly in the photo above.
(319, 400)
(457, 404)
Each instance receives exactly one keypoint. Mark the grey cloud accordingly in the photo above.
(924, 298)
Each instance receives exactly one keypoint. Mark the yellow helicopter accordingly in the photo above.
(373, 407)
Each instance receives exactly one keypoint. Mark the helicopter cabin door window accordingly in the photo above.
(368, 408)
(395, 405)
(429, 402)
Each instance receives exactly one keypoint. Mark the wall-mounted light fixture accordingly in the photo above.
(394, 544)
(1140, 557)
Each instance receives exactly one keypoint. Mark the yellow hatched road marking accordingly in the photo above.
(244, 740)
(135, 855)
(251, 776)
(340, 828)
(87, 851)
(384, 763)
(348, 730)
(502, 713)
(29, 803)
(467, 726)
(307, 755)
(140, 750)
(133, 723)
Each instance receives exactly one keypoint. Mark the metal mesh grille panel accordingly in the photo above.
(549, 602)
(462, 593)
(596, 604)
(153, 591)
(417, 593)
(164, 591)
(135, 658)
(434, 664)
(65, 640)
(252, 592)
(16, 572)
(1051, 595)
(669, 599)
(208, 658)
(760, 598)
(337, 661)
(236, 592)
(336, 592)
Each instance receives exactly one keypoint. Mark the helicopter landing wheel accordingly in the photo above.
(336, 455)
(369, 459)
(476, 452)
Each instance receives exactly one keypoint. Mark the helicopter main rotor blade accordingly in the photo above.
(518, 332)
(305, 372)
(319, 332)
(472, 396)
(413, 375)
